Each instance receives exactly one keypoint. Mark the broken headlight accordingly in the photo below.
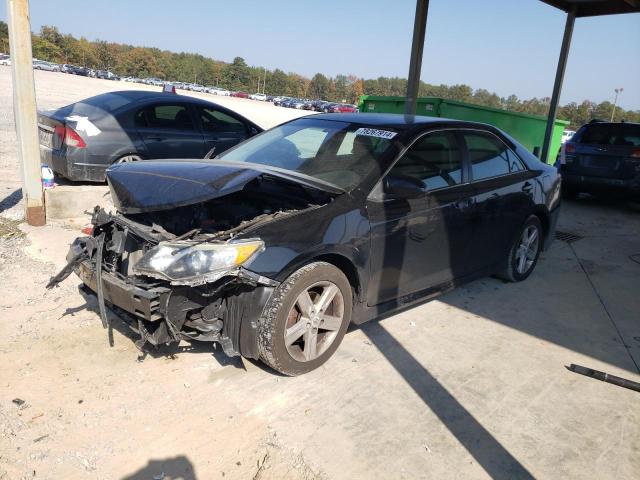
(185, 262)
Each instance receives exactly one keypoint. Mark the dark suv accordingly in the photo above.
(602, 157)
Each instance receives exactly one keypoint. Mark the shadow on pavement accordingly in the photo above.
(487, 451)
(177, 468)
(11, 200)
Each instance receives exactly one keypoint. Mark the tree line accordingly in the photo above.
(51, 45)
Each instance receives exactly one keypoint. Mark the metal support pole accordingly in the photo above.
(415, 61)
(557, 86)
(24, 110)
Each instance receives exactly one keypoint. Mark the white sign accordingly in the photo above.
(373, 132)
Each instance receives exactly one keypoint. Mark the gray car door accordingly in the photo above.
(169, 130)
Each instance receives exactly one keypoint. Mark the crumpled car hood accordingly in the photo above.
(154, 185)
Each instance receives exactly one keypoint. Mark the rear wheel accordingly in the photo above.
(524, 252)
(128, 159)
(305, 319)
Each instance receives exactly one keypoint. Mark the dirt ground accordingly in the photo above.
(470, 385)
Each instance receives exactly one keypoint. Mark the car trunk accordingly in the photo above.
(602, 161)
(49, 126)
(604, 150)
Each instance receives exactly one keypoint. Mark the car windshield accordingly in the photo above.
(335, 152)
(610, 134)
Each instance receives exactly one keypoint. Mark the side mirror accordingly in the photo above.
(403, 186)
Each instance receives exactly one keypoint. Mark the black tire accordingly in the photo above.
(510, 271)
(272, 324)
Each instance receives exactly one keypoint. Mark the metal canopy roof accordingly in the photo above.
(592, 8)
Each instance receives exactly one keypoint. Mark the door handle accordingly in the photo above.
(527, 187)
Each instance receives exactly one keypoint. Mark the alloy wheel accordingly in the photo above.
(527, 250)
(313, 321)
(128, 159)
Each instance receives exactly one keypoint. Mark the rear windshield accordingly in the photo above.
(108, 102)
(609, 134)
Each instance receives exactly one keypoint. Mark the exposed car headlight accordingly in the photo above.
(189, 263)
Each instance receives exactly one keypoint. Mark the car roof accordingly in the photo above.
(139, 95)
(396, 120)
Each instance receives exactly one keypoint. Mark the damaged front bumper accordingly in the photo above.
(225, 311)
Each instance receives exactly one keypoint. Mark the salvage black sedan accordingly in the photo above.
(273, 248)
(81, 140)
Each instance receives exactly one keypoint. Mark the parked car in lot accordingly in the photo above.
(240, 94)
(340, 108)
(81, 140)
(258, 96)
(602, 158)
(281, 101)
(47, 66)
(5, 60)
(153, 81)
(274, 247)
(318, 105)
(329, 107)
(75, 70)
(106, 75)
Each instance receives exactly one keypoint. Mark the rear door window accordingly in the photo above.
(609, 134)
(489, 156)
(434, 160)
(169, 117)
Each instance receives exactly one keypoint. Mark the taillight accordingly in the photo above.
(69, 137)
(635, 153)
(59, 133)
(569, 148)
(72, 139)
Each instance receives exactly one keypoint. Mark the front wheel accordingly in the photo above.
(305, 319)
(524, 252)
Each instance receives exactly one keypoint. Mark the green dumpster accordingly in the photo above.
(527, 129)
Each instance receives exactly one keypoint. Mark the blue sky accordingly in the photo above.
(506, 46)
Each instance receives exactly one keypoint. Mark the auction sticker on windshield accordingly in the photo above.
(372, 132)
